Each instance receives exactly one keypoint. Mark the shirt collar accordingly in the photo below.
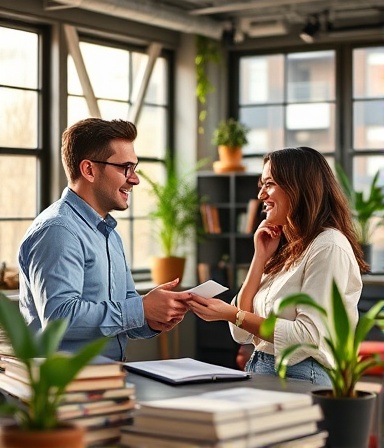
(87, 213)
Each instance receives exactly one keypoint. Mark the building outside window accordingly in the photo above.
(293, 99)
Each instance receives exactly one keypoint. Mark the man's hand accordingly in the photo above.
(164, 308)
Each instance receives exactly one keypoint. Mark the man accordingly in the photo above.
(71, 260)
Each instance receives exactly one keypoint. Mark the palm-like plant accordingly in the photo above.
(49, 371)
(342, 339)
(176, 207)
(364, 209)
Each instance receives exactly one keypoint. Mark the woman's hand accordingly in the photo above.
(266, 240)
(212, 309)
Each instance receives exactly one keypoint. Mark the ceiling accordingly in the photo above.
(261, 18)
(242, 19)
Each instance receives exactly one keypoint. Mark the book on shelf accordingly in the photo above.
(210, 218)
(184, 370)
(252, 219)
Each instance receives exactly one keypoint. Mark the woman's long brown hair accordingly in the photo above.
(316, 202)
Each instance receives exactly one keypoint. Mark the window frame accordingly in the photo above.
(41, 153)
(142, 274)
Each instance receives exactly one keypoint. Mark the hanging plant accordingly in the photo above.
(207, 51)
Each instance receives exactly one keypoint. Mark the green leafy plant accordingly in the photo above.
(342, 339)
(176, 207)
(207, 51)
(48, 376)
(364, 209)
(230, 133)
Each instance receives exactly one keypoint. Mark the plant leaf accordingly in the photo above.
(16, 330)
(60, 369)
(298, 299)
(343, 337)
(367, 321)
(48, 341)
(283, 359)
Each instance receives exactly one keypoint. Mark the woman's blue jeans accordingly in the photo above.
(308, 370)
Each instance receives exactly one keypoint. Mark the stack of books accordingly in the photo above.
(240, 417)
(99, 398)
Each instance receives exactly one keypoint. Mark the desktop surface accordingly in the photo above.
(150, 389)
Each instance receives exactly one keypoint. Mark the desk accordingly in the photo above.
(149, 389)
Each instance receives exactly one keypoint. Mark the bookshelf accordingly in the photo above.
(224, 255)
(227, 253)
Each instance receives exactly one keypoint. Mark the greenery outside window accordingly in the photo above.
(21, 151)
(113, 89)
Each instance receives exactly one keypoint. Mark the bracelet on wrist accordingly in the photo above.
(240, 316)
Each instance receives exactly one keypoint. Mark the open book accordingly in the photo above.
(184, 370)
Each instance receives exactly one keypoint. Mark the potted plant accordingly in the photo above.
(175, 216)
(347, 411)
(36, 421)
(365, 210)
(230, 136)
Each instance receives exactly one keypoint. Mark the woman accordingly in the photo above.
(306, 240)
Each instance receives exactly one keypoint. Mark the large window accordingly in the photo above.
(288, 100)
(291, 99)
(368, 129)
(114, 82)
(21, 149)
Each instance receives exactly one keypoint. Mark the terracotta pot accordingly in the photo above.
(64, 437)
(165, 269)
(347, 420)
(230, 157)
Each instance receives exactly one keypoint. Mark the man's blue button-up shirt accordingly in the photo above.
(72, 266)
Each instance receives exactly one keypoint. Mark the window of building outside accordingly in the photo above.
(291, 100)
(114, 90)
(368, 128)
(20, 136)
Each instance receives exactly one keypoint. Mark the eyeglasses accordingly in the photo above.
(129, 167)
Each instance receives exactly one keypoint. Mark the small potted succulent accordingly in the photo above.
(36, 421)
(347, 411)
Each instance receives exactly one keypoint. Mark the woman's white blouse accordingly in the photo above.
(329, 256)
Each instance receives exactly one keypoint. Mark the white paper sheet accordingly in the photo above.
(210, 288)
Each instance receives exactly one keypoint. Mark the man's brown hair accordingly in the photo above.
(89, 139)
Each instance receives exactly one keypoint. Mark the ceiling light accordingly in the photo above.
(255, 28)
(310, 30)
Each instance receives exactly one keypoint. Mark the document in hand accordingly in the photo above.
(210, 288)
(184, 370)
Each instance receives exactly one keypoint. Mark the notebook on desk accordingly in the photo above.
(184, 370)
